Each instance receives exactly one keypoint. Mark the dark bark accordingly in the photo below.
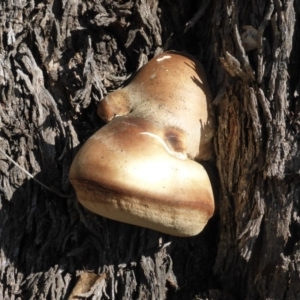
(257, 155)
(57, 59)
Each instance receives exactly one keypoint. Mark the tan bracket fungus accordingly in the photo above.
(140, 168)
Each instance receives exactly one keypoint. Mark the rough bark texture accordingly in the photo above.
(57, 60)
(257, 147)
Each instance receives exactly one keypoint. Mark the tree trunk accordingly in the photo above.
(57, 60)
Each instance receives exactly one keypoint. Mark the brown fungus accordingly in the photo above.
(140, 168)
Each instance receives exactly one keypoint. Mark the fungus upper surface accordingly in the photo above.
(140, 168)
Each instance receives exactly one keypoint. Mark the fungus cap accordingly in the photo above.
(138, 169)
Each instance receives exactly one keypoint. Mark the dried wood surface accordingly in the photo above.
(57, 59)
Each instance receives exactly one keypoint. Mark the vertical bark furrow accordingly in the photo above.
(258, 193)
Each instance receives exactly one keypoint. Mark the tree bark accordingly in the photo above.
(58, 59)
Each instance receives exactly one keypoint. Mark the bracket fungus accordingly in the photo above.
(141, 168)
